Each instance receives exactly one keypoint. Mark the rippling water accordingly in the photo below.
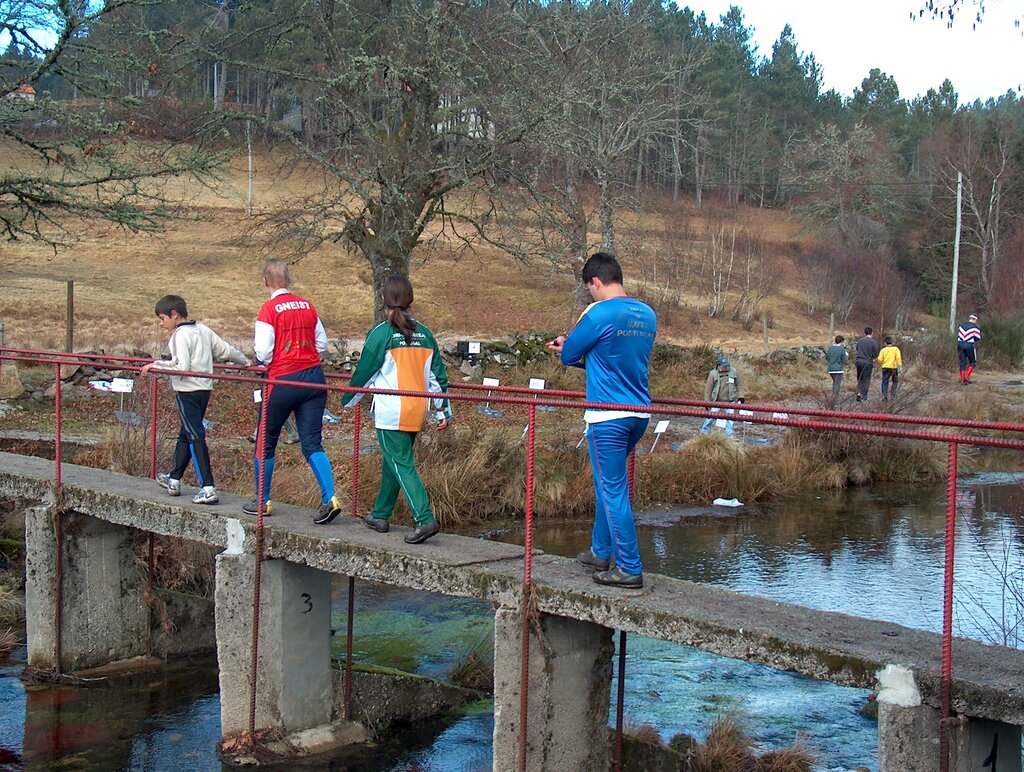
(873, 553)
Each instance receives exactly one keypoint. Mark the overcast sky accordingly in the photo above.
(849, 37)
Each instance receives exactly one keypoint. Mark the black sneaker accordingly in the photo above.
(252, 508)
(379, 524)
(328, 511)
(616, 577)
(422, 533)
(590, 560)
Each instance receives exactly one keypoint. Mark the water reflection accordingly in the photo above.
(131, 725)
(877, 554)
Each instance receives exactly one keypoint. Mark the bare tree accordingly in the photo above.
(418, 111)
(982, 151)
(77, 162)
(717, 265)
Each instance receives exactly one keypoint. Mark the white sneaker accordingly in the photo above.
(166, 481)
(205, 495)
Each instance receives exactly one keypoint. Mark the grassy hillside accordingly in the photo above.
(213, 258)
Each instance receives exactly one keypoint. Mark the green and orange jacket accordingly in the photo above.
(388, 362)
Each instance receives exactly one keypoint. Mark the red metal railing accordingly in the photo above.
(816, 420)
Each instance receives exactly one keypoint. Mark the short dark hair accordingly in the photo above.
(840, 338)
(169, 303)
(603, 266)
(888, 340)
(868, 330)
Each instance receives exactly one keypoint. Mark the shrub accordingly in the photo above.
(1004, 340)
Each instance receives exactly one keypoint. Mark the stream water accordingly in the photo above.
(873, 553)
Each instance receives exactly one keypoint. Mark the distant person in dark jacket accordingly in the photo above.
(837, 357)
(867, 353)
(967, 335)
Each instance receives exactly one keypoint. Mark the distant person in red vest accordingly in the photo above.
(967, 335)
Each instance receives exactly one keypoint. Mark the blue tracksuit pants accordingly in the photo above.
(610, 443)
(307, 405)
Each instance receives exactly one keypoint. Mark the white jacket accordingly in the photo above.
(193, 347)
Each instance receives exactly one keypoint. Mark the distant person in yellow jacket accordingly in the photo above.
(890, 360)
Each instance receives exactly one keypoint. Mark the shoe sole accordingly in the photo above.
(638, 585)
(170, 491)
(423, 538)
(266, 512)
(208, 501)
(594, 566)
(324, 519)
(630, 586)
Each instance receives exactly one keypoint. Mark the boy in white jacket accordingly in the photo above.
(193, 348)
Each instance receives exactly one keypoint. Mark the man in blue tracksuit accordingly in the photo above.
(613, 341)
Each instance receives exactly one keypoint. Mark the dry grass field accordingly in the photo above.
(212, 258)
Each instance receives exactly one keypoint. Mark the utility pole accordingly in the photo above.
(248, 142)
(69, 329)
(956, 254)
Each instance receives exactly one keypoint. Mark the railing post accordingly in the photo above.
(524, 672)
(621, 692)
(356, 426)
(620, 697)
(348, 647)
(1, 356)
(153, 396)
(261, 454)
(357, 423)
(947, 609)
(58, 529)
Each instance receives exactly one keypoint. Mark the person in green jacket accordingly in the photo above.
(401, 354)
(837, 356)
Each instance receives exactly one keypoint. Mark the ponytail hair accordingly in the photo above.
(397, 296)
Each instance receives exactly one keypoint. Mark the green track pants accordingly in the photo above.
(399, 474)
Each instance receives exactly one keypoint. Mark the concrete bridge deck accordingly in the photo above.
(988, 681)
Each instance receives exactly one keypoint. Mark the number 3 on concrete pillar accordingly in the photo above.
(307, 602)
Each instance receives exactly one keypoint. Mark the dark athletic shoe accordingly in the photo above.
(328, 511)
(422, 533)
(379, 524)
(592, 561)
(616, 577)
(252, 508)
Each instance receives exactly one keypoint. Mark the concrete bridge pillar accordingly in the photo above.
(569, 693)
(908, 741)
(103, 612)
(293, 672)
(908, 733)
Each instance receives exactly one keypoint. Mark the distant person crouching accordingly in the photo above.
(723, 385)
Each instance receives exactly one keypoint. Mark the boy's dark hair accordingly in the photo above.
(169, 303)
(868, 330)
(888, 340)
(840, 338)
(603, 266)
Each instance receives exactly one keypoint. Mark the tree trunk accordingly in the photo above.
(607, 213)
(384, 262)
